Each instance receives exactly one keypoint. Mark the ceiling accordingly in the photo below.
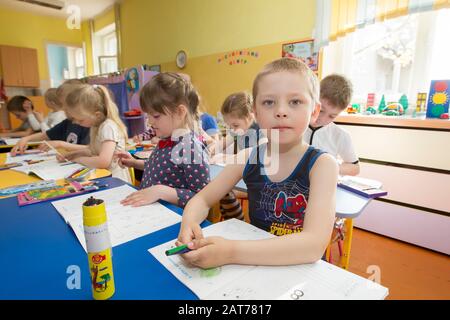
(88, 8)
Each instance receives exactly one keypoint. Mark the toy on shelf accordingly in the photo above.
(382, 105)
(370, 110)
(393, 109)
(353, 108)
(404, 102)
(421, 101)
(438, 99)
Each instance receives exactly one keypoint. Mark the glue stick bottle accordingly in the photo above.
(99, 248)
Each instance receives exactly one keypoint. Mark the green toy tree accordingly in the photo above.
(382, 105)
(404, 102)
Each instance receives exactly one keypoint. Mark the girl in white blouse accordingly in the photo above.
(91, 106)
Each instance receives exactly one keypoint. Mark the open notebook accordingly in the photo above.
(319, 280)
(125, 223)
(49, 169)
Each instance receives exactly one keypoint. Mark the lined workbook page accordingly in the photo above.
(204, 282)
(319, 280)
(125, 223)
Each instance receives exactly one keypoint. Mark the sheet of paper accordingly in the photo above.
(11, 141)
(36, 156)
(319, 280)
(124, 222)
(205, 282)
(49, 169)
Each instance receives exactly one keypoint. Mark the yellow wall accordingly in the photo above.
(24, 29)
(104, 19)
(86, 34)
(153, 31)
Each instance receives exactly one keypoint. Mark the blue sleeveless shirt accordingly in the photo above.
(278, 207)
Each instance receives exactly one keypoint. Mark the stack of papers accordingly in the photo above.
(125, 223)
(319, 280)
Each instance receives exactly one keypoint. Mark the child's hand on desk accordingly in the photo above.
(20, 147)
(142, 197)
(209, 252)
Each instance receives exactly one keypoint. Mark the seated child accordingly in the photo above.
(324, 134)
(291, 185)
(54, 117)
(178, 167)
(66, 134)
(91, 106)
(23, 109)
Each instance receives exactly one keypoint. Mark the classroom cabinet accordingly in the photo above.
(19, 67)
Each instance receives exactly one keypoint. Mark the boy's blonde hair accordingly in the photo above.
(166, 91)
(337, 89)
(238, 104)
(95, 98)
(290, 65)
(51, 98)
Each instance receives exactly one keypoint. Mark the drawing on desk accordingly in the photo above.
(124, 222)
(319, 280)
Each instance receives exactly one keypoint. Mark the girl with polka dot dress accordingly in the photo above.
(178, 167)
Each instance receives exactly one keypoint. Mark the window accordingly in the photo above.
(395, 57)
(105, 50)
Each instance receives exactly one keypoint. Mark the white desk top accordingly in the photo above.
(348, 204)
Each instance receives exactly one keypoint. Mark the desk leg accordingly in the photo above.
(345, 258)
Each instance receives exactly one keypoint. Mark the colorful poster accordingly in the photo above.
(438, 99)
(302, 50)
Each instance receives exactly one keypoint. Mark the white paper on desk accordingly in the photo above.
(26, 157)
(11, 141)
(319, 280)
(124, 222)
(49, 170)
(204, 283)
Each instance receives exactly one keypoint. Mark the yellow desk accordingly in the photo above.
(9, 178)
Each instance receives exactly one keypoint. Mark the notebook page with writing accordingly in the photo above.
(205, 282)
(319, 280)
(125, 223)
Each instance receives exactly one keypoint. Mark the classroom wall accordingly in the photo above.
(25, 29)
(104, 19)
(154, 31)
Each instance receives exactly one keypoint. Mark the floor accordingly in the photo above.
(410, 272)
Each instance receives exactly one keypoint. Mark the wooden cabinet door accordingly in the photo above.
(29, 68)
(11, 66)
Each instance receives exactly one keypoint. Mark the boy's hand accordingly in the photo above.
(142, 197)
(209, 252)
(20, 147)
(189, 232)
(125, 159)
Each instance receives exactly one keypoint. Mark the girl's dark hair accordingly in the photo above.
(166, 91)
(16, 104)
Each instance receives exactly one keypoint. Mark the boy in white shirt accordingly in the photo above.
(335, 95)
(54, 117)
